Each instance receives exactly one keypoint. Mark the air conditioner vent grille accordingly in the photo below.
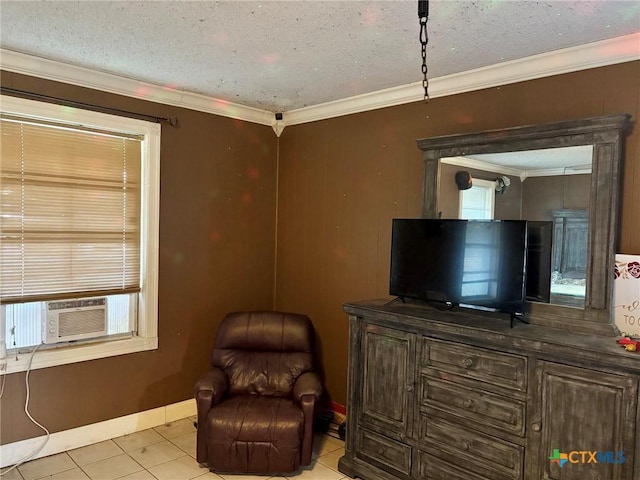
(78, 323)
(75, 319)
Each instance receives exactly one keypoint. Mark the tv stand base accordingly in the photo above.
(517, 316)
(395, 300)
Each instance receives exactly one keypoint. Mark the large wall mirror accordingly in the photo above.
(564, 179)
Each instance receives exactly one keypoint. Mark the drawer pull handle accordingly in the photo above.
(467, 403)
(536, 427)
(381, 450)
(467, 362)
(466, 446)
(409, 388)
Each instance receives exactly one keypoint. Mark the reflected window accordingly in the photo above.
(480, 273)
(477, 203)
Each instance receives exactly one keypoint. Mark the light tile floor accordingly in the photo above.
(162, 453)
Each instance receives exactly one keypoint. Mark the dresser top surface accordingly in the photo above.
(494, 329)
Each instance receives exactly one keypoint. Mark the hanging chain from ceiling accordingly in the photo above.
(423, 15)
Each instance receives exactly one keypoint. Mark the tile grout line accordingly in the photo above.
(108, 458)
(75, 463)
(184, 454)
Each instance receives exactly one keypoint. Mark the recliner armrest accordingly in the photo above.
(306, 392)
(307, 384)
(211, 387)
(209, 390)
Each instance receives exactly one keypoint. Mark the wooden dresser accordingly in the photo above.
(459, 395)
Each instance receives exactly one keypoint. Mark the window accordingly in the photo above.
(477, 202)
(79, 200)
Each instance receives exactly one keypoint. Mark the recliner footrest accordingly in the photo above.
(255, 434)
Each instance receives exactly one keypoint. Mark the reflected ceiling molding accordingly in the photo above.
(485, 166)
(554, 172)
(592, 55)
(522, 174)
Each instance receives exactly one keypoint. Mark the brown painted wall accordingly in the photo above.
(217, 243)
(342, 181)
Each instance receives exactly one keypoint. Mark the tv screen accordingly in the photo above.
(475, 263)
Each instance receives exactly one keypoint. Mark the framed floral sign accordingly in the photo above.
(626, 288)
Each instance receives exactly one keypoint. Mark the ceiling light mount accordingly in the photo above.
(423, 16)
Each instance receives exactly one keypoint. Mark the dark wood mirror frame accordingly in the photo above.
(605, 134)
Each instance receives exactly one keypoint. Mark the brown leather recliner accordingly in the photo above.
(256, 405)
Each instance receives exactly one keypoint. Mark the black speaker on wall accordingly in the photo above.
(464, 180)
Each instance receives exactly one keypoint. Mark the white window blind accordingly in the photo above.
(69, 211)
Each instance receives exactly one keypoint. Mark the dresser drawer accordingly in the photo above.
(432, 468)
(492, 457)
(501, 369)
(388, 454)
(477, 406)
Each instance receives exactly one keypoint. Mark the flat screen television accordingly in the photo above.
(472, 263)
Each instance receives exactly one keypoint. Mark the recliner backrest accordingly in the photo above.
(263, 353)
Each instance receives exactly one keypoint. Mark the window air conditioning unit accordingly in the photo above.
(78, 319)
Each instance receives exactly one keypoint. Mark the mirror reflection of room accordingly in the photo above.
(551, 189)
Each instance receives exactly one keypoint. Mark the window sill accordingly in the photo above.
(78, 353)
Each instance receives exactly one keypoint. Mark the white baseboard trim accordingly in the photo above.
(96, 432)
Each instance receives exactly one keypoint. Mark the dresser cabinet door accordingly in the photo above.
(581, 410)
(388, 379)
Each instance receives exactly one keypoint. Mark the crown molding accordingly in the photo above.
(84, 77)
(592, 55)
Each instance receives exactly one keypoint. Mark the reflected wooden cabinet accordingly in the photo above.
(570, 240)
(455, 395)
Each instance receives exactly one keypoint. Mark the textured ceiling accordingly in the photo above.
(280, 56)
